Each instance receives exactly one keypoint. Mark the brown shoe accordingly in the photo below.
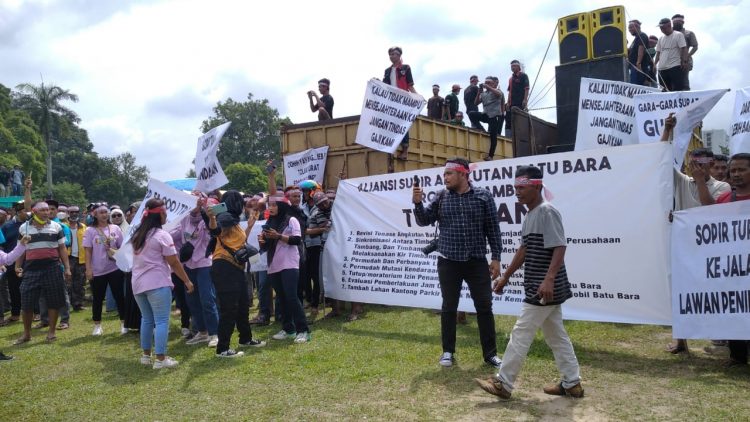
(493, 386)
(558, 390)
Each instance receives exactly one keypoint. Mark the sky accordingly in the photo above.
(149, 72)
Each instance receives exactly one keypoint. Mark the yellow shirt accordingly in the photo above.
(234, 238)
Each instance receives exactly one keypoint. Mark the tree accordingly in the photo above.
(20, 144)
(65, 193)
(253, 137)
(43, 105)
(247, 178)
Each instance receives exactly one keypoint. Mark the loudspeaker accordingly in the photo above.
(573, 38)
(568, 87)
(608, 32)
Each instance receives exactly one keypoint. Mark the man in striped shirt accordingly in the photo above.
(42, 274)
(546, 285)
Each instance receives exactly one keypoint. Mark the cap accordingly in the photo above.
(665, 21)
(678, 16)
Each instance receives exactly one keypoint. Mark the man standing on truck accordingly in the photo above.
(323, 105)
(399, 75)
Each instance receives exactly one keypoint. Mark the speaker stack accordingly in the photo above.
(592, 45)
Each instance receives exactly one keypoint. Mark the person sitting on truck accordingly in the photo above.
(323, 105)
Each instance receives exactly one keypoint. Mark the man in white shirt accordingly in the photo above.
(671, 57)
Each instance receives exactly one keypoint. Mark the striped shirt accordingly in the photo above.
(542, 231)
(42, 249)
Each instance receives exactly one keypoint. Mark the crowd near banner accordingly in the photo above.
(178, 205)
(739, 131)
(207, 168)
(387, 114)
(606, 113)
(711, 272)
(614, 203)
(309, 164)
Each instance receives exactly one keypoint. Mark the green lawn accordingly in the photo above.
(382, 367)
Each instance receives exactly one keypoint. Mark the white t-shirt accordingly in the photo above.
(669, 49)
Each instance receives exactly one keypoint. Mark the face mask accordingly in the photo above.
(62, 216)
(74, 218)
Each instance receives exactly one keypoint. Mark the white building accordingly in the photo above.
(715, 139)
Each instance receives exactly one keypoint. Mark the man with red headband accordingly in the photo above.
(467, 218)
(546, 287)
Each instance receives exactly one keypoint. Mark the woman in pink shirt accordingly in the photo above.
(101, 240)
(280, 237)
(153, 256)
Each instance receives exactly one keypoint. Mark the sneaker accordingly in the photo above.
(168, 362)
(185, 332)
(447, 359)
(123, 330)
(303, 337)
(253, 343)
(213, 341)
(3, 356)
(146, 360)
(558, 390)
(229, 353)
(283, 335)
(493, 386)
(97, 330)
(198, 338)
(494, 361)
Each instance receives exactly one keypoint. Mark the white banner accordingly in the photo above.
(178, 205)
(306, 165)
(711, 272)
(739, 131)
(207, 167)
(606, 113)
(652, 109)
(614, 203)
(258, 262)
(387, 115)
(688, 119)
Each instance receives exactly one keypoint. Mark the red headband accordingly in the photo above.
(525, 181)
(456, 167)
(156, 210)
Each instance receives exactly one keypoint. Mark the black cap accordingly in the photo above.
(678, 16)
(665, 21)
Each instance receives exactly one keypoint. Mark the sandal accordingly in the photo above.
(332, 315)
(51, 339)
(352, 317)
(63, 326)
(4, 322)
(676, 348)
(21, 340)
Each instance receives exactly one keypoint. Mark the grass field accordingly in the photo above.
(382, 367)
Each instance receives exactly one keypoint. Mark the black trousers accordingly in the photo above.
(116, 282)
(312, 291)
(181, 301)
(493, 125)
(233, 301)
(476, 273)
(673, 78)
(14, 290)
(738, 350)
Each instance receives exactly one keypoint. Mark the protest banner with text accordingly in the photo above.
(309, 164)
(387, 114)
(739, 130)
(618, 274)
(711, 272)
(178, 205)
(208, 170)
(606, 113)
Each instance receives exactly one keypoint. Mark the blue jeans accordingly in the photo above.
(155, 306)
(111, 303)
(285, 284)
(264, 295)
(202, 301)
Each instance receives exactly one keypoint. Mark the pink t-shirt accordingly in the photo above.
(99, 239)
(150, 269)
(286, 256)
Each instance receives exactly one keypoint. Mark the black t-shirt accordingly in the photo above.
(640, 39)
(327, 101)
(517, 84)
(4, 177)
(470, 94)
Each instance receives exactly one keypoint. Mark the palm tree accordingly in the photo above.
(43, 105)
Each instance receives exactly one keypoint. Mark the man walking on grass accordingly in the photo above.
(546, 287)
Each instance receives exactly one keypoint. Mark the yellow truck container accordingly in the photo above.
(431, 143)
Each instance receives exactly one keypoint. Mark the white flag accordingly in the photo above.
(207, 168)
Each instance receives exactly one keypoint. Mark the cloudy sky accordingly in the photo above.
(149, 72)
